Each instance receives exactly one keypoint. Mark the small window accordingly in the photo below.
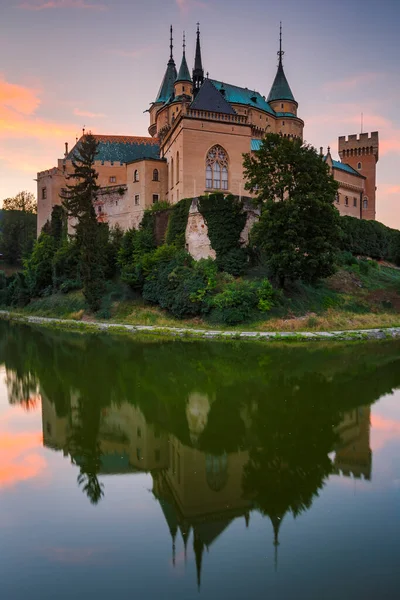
(136, 175)
(365, 203)
(116, 203)
(155, 175)
(359, 165)
(137, 200)
(283, 122)
(99, 209)
(354, 201)
(44, 193)
(346, 201)
(156, 198)
(113, 179)
(183, 88)
(281, 105)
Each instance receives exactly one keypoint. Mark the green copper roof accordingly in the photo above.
(122, 149)
(167, 87)
(280, 88)
(184, 73)
(344, 167)
(237, 95)
(255, 145)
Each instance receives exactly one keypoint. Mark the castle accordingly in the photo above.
(199, 130)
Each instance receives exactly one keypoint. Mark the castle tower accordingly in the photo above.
(198, 71)
(166, 91)
(362, 153)
(281, 98)
(183, 83)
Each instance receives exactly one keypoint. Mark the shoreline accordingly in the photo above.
(216, 334)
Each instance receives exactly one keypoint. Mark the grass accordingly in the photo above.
(356, 297)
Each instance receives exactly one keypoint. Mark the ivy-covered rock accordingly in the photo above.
(225, 218)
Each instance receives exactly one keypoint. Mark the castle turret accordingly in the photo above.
(362, 153)
(183, 83)
(166, 91)
(198, 71)
(281, 98)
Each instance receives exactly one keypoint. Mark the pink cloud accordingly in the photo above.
(383, 431)
(353, 82)
(40, 5)
(17, 97)
(186, 5)
(19, 459)
(86, 113)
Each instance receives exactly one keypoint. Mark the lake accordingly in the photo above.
(151, 469)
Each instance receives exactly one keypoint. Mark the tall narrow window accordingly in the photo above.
(346, 201)
(365, 203)
(217, 169)
(354, 201)
(136, 175)
(172, 173)
(177, 167)
(44, 193)
(137, 200)
(155, 175)
(359, 166)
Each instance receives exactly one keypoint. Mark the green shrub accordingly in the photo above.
(38, 268)
(368, 238)
(240, 300)
(181, 285)
(66, 264)
(234, 261)
(17, 290)
(346, 258)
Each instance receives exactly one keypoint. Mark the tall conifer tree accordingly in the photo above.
(79, 203)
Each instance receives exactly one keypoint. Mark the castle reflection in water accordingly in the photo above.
(200, 493)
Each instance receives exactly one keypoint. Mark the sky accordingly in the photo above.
(66, 64)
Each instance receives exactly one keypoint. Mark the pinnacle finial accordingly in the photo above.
(198, 28)
(184, 44)
(171, 46)
(281, 52)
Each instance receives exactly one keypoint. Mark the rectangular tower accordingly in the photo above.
(362, 153)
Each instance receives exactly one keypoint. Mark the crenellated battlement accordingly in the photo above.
(363, 144)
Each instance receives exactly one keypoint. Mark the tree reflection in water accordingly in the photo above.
(258, 422)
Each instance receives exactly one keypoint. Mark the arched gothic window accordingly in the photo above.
(155, 175)
(365, 203)
(217, 169)
(136, 175)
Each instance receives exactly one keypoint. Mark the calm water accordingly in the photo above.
(197, 470)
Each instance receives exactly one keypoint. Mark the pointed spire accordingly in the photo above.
(280, 88)
(184, 73)
(276, 523)
(198, 71)
(198, 548)
(166, 90)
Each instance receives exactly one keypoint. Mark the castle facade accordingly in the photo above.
(199, 130)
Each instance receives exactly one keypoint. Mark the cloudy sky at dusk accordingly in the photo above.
(99, 63)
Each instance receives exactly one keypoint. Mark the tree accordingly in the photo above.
(24, 201)
(18, 232)
(78, 201)
(298, 232)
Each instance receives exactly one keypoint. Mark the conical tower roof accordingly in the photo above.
(167, 86)
(280, 88)
(184, 73)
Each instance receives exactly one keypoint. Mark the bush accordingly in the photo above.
(368, 238)
(241, 300)
(135, 244)
(17, 291)
(38, 268)
(181, 285)
(234, 262)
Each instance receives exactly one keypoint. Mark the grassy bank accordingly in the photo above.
(359, 296)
